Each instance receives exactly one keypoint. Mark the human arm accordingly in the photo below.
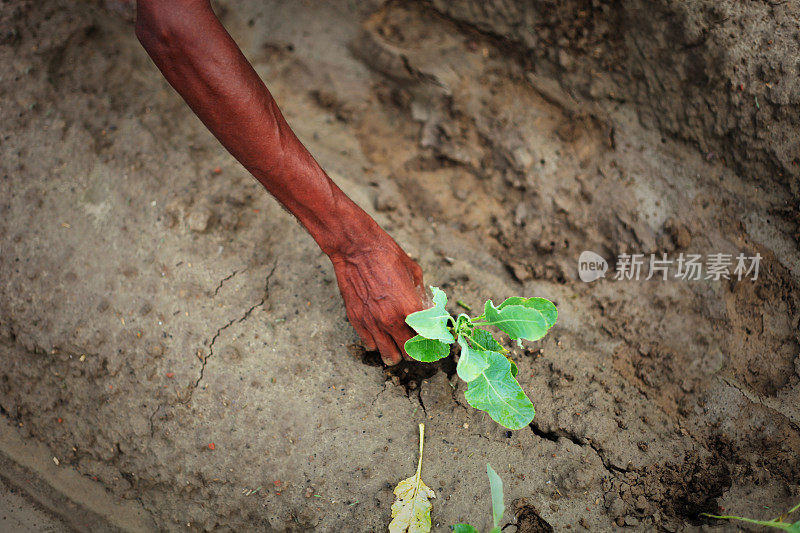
(380, 284)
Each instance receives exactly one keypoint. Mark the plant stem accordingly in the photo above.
(421, 441)
(793, 509)
(464, 305)
(767, 523)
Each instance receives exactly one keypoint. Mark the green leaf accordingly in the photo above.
(472, 361)
(496, 488)
(514, 369)
(464, 528)
(518, 321)
(483, 340)
(543, 305)
(426, 350)
(794, 528)
(432, 323)
(498, 393)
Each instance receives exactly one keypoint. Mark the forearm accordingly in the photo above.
(205, 66)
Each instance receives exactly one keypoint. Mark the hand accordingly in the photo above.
(381, 285)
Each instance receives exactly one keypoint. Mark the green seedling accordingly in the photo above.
(498, 507)
(483, 362)
(777, 523)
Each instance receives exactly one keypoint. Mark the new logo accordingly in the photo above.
(591, 266)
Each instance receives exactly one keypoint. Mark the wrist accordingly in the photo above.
(349, 232)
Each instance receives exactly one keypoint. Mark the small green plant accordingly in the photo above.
(498, 507)
(777, 523)
(483, 362)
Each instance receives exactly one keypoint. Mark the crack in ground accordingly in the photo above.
(152, 416)
(454, 395)
(379, 394)
(211, 351)
(756, 399)
(553, 436)
(230, 323)
(419, 399)
(226, 278)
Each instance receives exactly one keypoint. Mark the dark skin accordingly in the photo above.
(379, 282)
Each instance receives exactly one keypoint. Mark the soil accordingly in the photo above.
(19, 514)
(170, 332)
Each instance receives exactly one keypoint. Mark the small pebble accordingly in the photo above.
(198, 220)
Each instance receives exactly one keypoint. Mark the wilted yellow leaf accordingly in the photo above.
(411, 511)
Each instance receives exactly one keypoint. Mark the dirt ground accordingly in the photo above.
(154, 300)
(19, 514)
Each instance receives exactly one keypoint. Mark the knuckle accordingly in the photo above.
(354, 315)
(412, 305)
(389, 316)
(382, 321)
(417, 271)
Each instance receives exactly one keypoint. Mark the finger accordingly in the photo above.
(401, 335)
(366, 337)
(358, 324)
(416, 274)
(424, 297)
(389, 352)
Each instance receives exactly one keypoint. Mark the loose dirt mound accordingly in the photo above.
(720, 74)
